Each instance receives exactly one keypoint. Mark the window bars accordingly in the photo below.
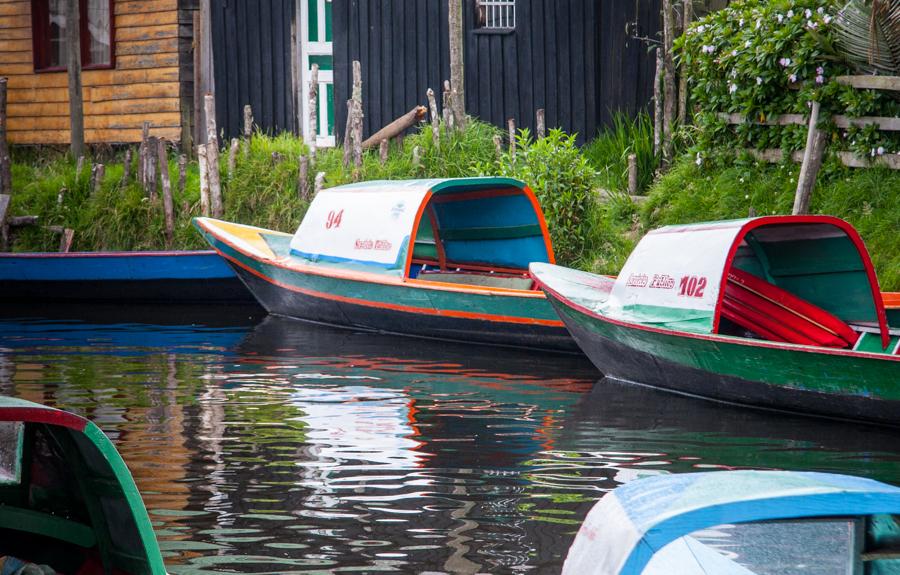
(497, 14)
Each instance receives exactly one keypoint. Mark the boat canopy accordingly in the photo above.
(646, 526)
(677, 275)
(394, 227)
(66, 497)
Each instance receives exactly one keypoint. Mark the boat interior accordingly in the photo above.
(806, 284)
(62, 505)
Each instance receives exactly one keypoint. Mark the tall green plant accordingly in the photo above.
(608, 152)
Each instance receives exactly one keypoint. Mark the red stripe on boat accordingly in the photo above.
(46, 415)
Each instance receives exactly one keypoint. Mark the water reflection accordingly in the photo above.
(277, 447)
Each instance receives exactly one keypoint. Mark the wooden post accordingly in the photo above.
(126, 167)
(669, 87)
(73, 64)
(5, 163)
(357, 115)
(511, 125)
(61, 196)
(4, 228)
(248, 129)
(203, 165)
(687, 16)
(65, 240)
(658, 105)
(79, 166)
(816, 140)
(320, 182)
(303, 178)
(383, 148)
(232, 156)
(97, 172)
(182, 172)
(142, 155)
(498, 145)
(416, 158)
(448, 107)
(152, 161)
(348, 134)
(313, 135)
(632, 175)
(457, 64)
(212, 157)
(435, 119)
(209, 105)
(168, 207)
(540, 124)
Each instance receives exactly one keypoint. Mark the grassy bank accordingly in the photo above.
(587, 233)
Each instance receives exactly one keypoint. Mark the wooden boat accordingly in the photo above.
(147, 277)
(444, 259)
(778, 312)
(67, 499)
(741, 523)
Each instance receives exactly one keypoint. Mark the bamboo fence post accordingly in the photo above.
(5, 163)
(511, 126)
(348, 134)
(98, 171)
(126, 167)
(658, 105)
(498, 145)
(142, 155)
(152, 161)
(456, 27)
(320, 182)
(232, 156)
(313, 111)
(73, 65)
(687, 16)
(212, 157)
(168, 207)
(66, 239)
(357, 115)
(669, 87)
(203, 165)
(182, 172)
(383, 148)
(416, 158)
(435, 119)
(448, 106)
(4, 228)
(79, 166)
(248, 129)
(540, 124)
(816, 140)
(632, 175)
(303, 178)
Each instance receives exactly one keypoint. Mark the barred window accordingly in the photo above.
(496, 14)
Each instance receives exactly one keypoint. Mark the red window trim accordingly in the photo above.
(40, 20)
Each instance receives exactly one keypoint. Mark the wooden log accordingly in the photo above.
(816, 140)
(98, 172)
(357, 115)
(498, 145)
(890, 83)
(209, 105)
(320, 182)
(448, 107)
(511, 126)
(781, 120)
(65, 240)
(203, 166)
(168, 206)
(435, 119)
(79, 166)
(383, 149)
(687, 14)
(657, 105)
(126, 167)
(73, 65)
(312, 137)
(669, 86)
(348, 135)
(142, 155)
(416, 158)
(215, 187)
(540, 123)
(248, 129)
(5, 162)
(852, 160)
(457, 41)
(397, 127)
(182, 172)
(22, 221)
(152, 161)
(4, 229)
(232, 156)
(632, 175)
(303, 178)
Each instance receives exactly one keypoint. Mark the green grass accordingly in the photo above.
(608, 152)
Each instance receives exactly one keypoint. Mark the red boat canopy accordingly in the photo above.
(799, 279)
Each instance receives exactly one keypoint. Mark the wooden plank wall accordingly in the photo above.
(574, 58)
(251, 49)
(144, 86)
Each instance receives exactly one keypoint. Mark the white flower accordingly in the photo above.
(811, 25)
(820, 70)
(741, 22)
(785, 62)
(880, 150)
(792, 78)
(747, 44)
(808, 13)
(821, 10)
(732, 88)
(780, 18)
(734, 53)
(820, 79)
(759, 81)
(699, 160)
(827, 19)
(746, 196)
(872, 153)
(790, 13)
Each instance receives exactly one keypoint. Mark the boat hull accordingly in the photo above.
(146, 277)
(766, 376)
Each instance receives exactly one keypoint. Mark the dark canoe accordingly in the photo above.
(67, 499)
(443, 259)
(638, 328)
(740, 523)
(144, 277)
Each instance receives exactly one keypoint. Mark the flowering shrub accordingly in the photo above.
(763, 58)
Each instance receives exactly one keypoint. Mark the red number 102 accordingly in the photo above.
(692, 286)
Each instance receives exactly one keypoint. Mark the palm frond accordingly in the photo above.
(868, 34)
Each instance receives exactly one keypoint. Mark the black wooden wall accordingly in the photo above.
(251, 46)
(577, 59)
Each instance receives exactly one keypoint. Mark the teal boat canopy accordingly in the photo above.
(716, 522)
(675, 278)
(395, 227)
(67, 499)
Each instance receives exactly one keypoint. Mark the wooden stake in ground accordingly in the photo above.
(73, 64)
(126, 167)
(816, 140)
(348, 135)
(658, 105)
(5, 163)
(203, 166)
(212, 157)
(152, 162)
(632, 175)
(142, 155)
(311, 140)
(65, 240)
(511, 125)
(457, 64)
(182, 172)
(168, 206)
(540, 124)
(448, 106)
(79, 166)
(435, 119)
(396, 128)
(4, 229)
(303, 178)
(248, 129)
(669, 87)
(98, 172)
(383, 149)
(61, 196)
(232, 156)
(687, 16)
(357, 115)
(416, 158)
(320, 182)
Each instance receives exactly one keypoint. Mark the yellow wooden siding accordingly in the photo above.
(142, 87)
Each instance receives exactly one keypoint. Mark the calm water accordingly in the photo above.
(264, 445)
